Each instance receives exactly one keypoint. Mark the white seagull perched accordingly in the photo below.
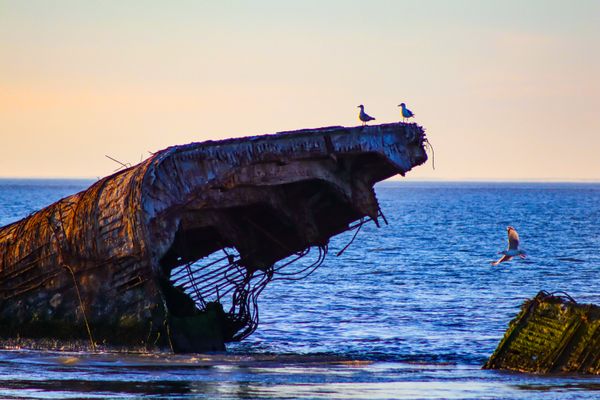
(406, 113)
(513, 247)
(363, 116)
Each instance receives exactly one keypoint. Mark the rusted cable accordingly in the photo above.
(297, 275)
(123, 165)
(362, 222)
(85, 320)
(428, 144)
(544, 295)
(195, 287)
(382, 216)
(61, 261)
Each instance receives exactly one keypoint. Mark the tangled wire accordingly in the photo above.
(225, 280)
(429, 146)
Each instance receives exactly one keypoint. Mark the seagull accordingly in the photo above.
(513, 247)
(406, 113)
(363, 116)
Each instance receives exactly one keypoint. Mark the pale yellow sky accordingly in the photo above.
(506, 90)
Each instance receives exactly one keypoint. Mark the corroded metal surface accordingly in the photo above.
(551, 334)
(118, 264)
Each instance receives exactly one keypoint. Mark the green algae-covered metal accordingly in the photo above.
(551, 334)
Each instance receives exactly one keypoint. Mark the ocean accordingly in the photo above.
(410, 310)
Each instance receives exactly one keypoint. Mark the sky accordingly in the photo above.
(506, 90)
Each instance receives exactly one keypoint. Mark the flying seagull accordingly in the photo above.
(513, 247)
(406, 113)
(363, 116)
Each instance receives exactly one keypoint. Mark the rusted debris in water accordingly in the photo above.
(173, 253)
(551, 334)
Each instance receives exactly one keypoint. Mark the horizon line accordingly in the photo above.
(391, 179)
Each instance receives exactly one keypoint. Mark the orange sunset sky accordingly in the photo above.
(506, 90)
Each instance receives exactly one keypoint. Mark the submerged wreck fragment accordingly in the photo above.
(172, 253)
(552, 333)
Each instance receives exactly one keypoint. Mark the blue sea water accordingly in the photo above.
(409, 310)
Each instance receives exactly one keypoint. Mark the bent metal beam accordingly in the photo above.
(133, 260)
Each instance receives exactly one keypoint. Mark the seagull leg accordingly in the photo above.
(502, 259)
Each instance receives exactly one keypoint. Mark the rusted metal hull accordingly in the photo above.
(119, 263)
(551, 334)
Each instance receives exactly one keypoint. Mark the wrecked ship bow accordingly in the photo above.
(173, 253)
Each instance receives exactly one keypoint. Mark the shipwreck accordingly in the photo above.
(552, 334)
(172, 253)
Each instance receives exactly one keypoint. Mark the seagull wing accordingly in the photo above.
(513, 239)
(406, 113)
(504, 258)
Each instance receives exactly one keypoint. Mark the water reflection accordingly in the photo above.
(43, 375)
